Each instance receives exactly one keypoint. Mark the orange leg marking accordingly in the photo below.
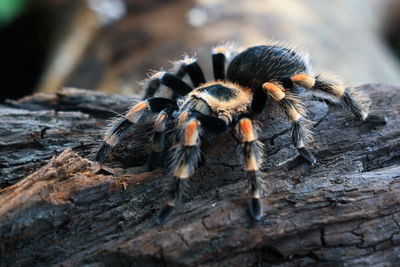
(247, 129)
(182, 118)
(132, 113)
(139, 106)
(191, 133)
(304, 80)
(276, 91)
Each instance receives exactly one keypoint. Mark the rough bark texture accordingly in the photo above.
(70, 211)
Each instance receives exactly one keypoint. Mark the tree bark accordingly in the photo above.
(57, 207)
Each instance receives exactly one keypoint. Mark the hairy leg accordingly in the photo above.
(155, 81)
(220, 55)
(295, 111)
(334, 92)
(253, 157)
(186, 154)
(158, 140)
(121, 126)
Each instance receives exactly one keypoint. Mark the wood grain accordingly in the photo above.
(57, 207)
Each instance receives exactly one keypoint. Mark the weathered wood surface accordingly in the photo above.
(70, 211)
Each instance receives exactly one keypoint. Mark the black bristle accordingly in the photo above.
(163, 213)
(254, 181)
(212, 125)
(307, 155)
(323, 86)
(297, 133)
(157, 104)
(102, 152)
(152, 87)
(176, 84)
(177, 189)
(376, 120)
(158, 142)
(184, 154)
(255, 204)
(218, 61)
(121, 127)
(256, 209)
(195, 74)
(352, 105)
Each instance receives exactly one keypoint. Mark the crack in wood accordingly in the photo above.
(73, 212)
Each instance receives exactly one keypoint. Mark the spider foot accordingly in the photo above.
(307, 155)
(376, 120)
(256, 209)
(163, 213)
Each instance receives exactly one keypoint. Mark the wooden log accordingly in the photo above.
(71, 211)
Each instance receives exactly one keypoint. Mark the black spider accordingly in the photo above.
(230, 102)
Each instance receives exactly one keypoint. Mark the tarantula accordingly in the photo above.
(236, 95)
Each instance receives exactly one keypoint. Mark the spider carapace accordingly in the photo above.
(230, 102)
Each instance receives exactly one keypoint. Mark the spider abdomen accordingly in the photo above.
(259, 64)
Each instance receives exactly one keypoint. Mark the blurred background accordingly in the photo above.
(110, 45)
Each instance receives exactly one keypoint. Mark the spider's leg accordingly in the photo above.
(195, 73)
(122, 125)
(332, 90)
(164, 78)
(218, 61)
(222, 54)
(295, 111)
(189, 65)
(186, 155)
(253, 157)
(184, 161)
(158, 139)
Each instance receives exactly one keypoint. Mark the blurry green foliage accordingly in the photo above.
(9, 9)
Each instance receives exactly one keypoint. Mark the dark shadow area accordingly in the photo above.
(392, 28)
(25, 45)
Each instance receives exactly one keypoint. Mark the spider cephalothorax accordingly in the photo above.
(231, 101)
